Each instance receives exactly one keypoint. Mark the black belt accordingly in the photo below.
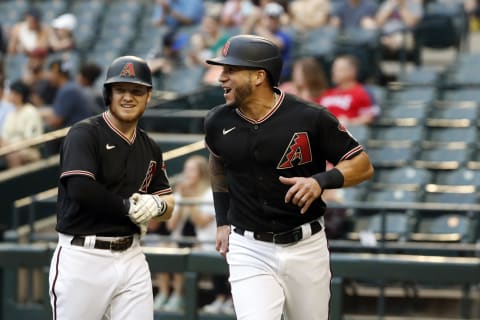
(286, 237)
(115, 245)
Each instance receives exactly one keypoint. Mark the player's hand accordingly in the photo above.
(223, 232)
(303, 191)
(146, 206)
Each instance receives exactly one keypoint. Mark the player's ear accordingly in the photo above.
(261, 76)
(149, 95)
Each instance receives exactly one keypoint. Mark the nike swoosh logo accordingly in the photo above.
(225, 131)
(109, 147)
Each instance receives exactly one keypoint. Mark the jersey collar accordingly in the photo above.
(118, 132)
(268, 115)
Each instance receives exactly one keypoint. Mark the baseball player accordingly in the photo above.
(268, 152)
(112, 182)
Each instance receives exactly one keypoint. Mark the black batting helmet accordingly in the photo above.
(128, 69)
(252, 51)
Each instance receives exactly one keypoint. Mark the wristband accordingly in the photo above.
(221, 202)
(126, 205)
(331, 179)
(161, 205)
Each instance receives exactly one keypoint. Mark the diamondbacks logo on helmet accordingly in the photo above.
(297, 153)
(128, 70)
(225, 48)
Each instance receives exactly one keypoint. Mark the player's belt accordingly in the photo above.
(114, 245)
(286, 237)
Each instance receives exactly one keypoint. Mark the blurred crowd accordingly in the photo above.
(51, 94)
(51, 90)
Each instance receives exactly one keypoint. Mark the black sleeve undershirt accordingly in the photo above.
(93, 196)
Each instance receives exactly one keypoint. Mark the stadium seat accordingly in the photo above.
(402, 114)
(318, 43)
(418, 95)
(12, 12)
(182, 80)
(456, 114)
(420, 76)
(404, 178)
(396, 224)
(462, 176)
(391, 156)
(451, 197)
(442, 158)
(461, 137)
(360, 133)
(396, 134)
(443, 227)
(465, 94)
(443, 26)
(392, 196)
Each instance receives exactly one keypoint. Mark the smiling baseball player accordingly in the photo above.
(112, 182)
(268, 154)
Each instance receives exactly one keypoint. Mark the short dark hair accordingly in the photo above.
(62, 66)
(22, 89)
(90, 71)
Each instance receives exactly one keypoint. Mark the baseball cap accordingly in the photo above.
(273, 9)
(65, 21)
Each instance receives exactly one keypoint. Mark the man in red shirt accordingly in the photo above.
(349, 100)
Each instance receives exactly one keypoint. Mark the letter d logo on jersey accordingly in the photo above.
(297, 153)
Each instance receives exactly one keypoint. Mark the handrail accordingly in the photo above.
(46, 137)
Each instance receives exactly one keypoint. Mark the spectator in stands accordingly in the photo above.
(86, 77)
(5, 106)
(396, 18)
(22, 124)
(472, 9)
(29, 35)
(349, 100)
(61, 34)
(194, 184)
(236, 12)
(354, 15)
(309, 15)
(170, 54)
(207, 41)
(178, 13)
(71, 103)
(269, 25)
(308, 79)
(203, 218)
(205, 44)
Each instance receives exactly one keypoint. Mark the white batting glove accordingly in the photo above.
(146, 207)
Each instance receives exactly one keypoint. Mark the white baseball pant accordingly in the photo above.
(270, 279)
(97, 284)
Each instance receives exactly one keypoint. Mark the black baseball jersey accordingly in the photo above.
(295, 139)
(96, 149)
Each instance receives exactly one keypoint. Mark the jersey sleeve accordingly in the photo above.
(337, 143)
(160, 184)
(79, 150)
(209, 126)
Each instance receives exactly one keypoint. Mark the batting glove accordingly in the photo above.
(146, 207)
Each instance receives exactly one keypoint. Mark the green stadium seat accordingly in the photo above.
(405, 178)
(443, 227)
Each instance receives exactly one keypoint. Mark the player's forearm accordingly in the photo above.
(355, 170)
(170, 200)
(221, 197)
(95, 197)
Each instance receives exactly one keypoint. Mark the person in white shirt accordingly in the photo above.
(22, 124)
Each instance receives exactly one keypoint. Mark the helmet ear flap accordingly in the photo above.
(107, 92)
